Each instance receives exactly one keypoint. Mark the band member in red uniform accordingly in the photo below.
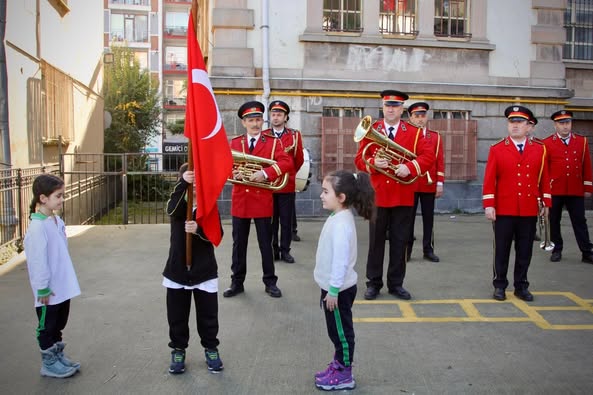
(284, 198)
(394, 199)
(516, 176)
(251, 202)
(571, 181)
(428, 187)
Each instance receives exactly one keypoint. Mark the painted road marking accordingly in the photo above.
(529, 312)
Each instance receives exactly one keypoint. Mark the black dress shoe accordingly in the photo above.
(401, 293)
(276, 255)
(499, 294)
(233, 290)
(524, 294)
(556, 256)
(273, 291)
(371, 293)
(430, 256)
(295, 237)
(587, 258)
(286, 257)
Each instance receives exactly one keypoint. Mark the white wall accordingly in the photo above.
(509, 28)
(73, 44)
(287, 20)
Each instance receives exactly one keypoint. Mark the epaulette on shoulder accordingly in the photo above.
(578, 134)
(498, 142)
(549, 137)
(293, 130)
(537, 141)
(270, 135)
(237, 137)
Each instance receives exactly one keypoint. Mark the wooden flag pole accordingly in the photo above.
(190, 163)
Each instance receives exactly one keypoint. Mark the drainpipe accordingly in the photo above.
(266, 56)
(5, 159)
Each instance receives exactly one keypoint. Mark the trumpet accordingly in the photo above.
(544, 228)
(388, 149)
(247, 165)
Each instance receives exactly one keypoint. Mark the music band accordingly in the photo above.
(525, 179)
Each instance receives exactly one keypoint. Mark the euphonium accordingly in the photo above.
(388, 149)
(249, 164)
(544, 228)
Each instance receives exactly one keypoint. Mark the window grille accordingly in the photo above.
(578, 21)
(342, 15)
(58, 104)
(451, 18)
(398, 17)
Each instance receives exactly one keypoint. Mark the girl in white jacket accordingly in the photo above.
(334, 269)
(51, 274)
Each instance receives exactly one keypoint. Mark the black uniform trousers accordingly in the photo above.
(340, 327)
(283, 213)
(52, 321)
(178, 310)
(397, 221)
(294, 219)
(521, 230)
(263, 227)
(426, 200)
(575, 205)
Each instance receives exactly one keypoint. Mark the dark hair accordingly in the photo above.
(358, 191)
(44, 184)
(183, 168)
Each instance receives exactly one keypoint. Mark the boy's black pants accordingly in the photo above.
(52, 321)
(178, 309)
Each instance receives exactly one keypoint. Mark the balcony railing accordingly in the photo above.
(175, 67)
(131, 2)
(176, 30)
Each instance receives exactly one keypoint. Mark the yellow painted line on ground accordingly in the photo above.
(530, 311)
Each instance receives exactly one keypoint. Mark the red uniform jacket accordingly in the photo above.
(254, 202)
(570, 165)
(293, 146)
(514, 181)
(388, 192)
(437, 171)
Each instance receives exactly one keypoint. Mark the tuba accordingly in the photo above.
(249, 164)
(388, 149)
(544, 228)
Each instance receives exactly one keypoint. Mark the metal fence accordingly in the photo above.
(100, 189)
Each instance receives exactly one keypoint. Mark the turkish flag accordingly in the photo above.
(210, 151)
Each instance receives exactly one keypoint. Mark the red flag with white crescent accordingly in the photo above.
(211, 152)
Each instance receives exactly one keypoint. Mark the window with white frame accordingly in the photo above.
(398, 17)
(342, 15)
(129, 27)
(578, 21)
(175, 58)
(451, 18)
(176, 22)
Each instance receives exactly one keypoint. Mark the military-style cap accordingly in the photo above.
(419, 107)
(279, 105)
(518, 113)
(393, 98)
(251, 109)
(533, 121)
(561, 116)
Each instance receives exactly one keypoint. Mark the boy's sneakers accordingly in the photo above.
(338, 377)
(213, 361)
(177, 361)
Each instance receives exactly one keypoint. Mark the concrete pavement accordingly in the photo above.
(449, 339)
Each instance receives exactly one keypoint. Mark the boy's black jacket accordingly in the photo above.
(204, 265)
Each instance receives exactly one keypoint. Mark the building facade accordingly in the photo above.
(469, 59)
